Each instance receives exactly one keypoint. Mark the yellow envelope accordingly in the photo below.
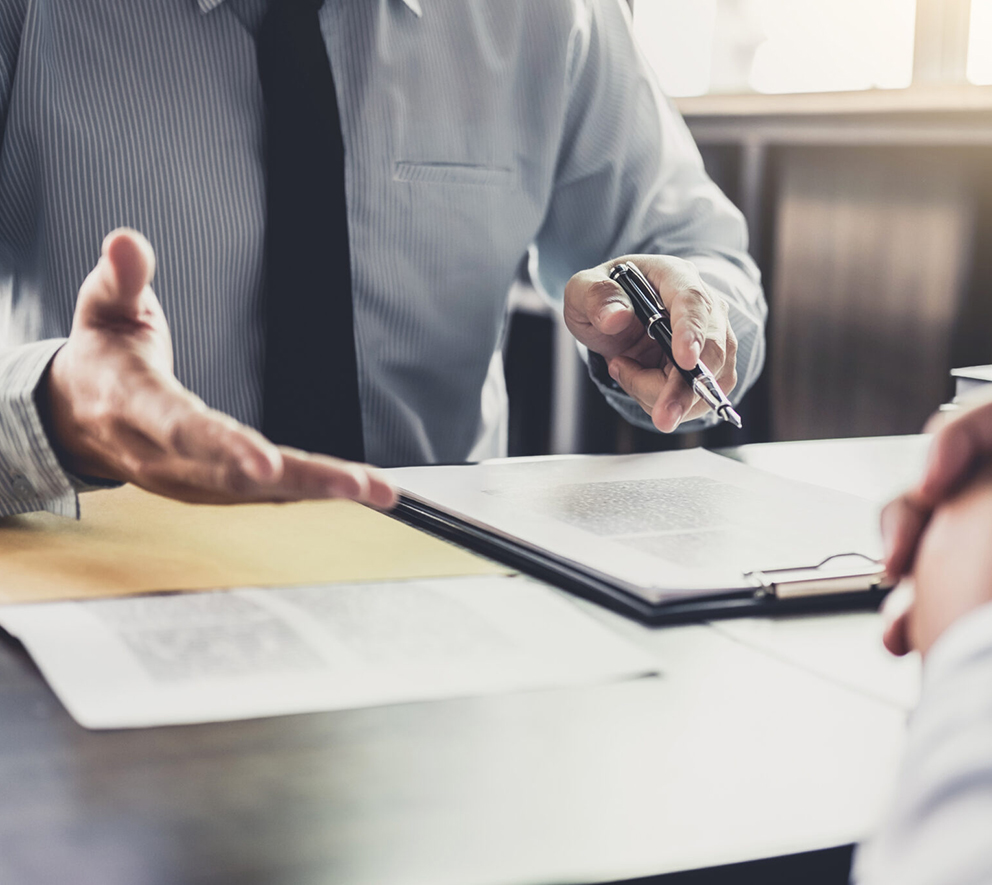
(130, 541)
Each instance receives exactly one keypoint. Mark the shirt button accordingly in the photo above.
(21, 486)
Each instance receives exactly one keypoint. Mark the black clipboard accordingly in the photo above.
(814, 588)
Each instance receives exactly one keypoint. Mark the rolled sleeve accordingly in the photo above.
(31, 477)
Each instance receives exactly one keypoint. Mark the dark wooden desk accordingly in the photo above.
(708, 765)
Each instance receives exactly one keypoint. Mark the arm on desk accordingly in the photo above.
(938, 828)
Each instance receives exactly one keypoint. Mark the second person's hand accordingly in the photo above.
(114, 409)
(962, 443)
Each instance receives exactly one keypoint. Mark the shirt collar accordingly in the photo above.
(208, 5)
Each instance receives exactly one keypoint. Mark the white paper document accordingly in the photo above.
(239, 654)
(662, 525)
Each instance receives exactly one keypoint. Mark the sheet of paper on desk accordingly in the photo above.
(172, 659)
(664, 524)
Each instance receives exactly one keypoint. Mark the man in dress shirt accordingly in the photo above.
(475, 132)
(938, 536)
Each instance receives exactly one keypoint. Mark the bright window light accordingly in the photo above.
(775, 46)
(676, 37)
(980, 43)
(815, 46)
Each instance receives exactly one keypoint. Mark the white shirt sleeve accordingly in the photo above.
(939, 828)
(630, 179)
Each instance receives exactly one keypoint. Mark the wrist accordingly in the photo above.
(55, 412)
(43, 403)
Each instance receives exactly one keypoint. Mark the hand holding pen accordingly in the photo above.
(601, 315)
(651, 311)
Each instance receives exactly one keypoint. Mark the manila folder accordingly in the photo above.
(131, 541)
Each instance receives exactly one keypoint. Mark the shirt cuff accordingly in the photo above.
(965, 640)
(31, 477)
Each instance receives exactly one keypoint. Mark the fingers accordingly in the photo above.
(132, 258)
(952, 573)
(180, 426)
(608, 308)
(896, 615)
(600, 316)
(304, 477)
(958, 447)
(675, 402)
(173, 444)
(661, 392)
(112, 291)
(339, 479)
(693, 313)
(964, 441)
(903, 522)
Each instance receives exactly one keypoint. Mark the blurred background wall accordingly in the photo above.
(856, 137)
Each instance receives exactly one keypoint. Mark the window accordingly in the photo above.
(980, 43)
(779, 46)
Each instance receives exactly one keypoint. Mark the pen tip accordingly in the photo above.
(730, 416)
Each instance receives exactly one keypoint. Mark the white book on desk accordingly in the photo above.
(969, 379)
(658, 535)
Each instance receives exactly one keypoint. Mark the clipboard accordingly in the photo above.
(836, 571)
(814, 588)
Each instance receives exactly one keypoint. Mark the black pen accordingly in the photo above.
(658, 322)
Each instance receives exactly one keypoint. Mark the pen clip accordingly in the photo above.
(649, 291)
(642, 296)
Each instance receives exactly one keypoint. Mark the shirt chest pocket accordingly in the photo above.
(441, 173)
(458, 219)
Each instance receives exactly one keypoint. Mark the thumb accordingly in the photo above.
(113, 290)
(133, 261)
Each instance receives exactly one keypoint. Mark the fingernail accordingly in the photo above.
(614, 371)
(251, 468)
(675, 412)
(693, 346)
(610, 308)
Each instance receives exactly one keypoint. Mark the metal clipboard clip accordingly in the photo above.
(836, 574)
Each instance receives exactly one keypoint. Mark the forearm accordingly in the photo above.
(937, 832)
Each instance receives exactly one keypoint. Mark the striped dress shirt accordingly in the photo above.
(477, 132)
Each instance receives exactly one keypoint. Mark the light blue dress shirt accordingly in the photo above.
(476, 132)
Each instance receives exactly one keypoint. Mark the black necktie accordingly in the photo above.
(310, 397)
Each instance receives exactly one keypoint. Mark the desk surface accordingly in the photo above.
(754, 743)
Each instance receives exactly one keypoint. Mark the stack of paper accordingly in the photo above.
(344, 607)
(205, 657)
